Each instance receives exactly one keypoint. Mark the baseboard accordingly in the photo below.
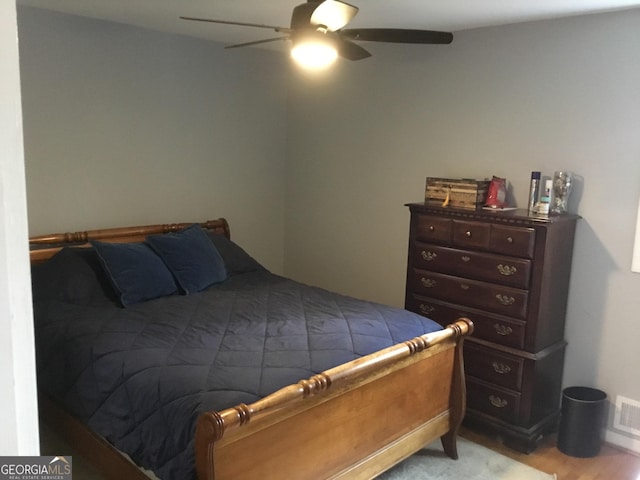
(622, 441)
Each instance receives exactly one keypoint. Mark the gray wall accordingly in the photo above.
(125, 126)
(550, 95)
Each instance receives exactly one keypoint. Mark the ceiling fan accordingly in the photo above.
(323, 20)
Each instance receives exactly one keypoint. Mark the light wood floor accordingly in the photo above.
(610, 464)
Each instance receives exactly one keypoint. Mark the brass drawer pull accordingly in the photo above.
(465, 258)
(506, 270)
(468, 233)
(426, 309)
(503, 330)
(428, 256)
(505, 300)
(428, 282)
(497, 401)
(501, 368)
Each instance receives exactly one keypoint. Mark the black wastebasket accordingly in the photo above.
(582, 421)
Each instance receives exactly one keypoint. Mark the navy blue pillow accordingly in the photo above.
(236, 259)
(73, 275)
(191, 257)
(135, 271)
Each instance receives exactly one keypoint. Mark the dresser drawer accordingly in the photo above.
(431, 229)
(510, 271)
(471, 234)
(486, 296)
(494, 328)
(494, 367)
(507, 332)
(516, 241)
(494, 401)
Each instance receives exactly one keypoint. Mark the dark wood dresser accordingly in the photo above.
(509, 273)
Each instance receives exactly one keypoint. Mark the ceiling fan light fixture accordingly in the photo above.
(314, 52)
(333, 14)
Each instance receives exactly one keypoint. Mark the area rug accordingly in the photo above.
(475, 462)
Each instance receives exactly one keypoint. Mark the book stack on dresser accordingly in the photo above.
(509, 273)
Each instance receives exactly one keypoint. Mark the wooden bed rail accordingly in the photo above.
(43, 247)
(221, 430)
(371, 366)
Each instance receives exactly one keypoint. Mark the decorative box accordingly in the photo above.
(457, 193)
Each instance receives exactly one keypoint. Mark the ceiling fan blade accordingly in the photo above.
(256, 42)
(397, 35)
(350, 50)
(333, 14)
(243, 24)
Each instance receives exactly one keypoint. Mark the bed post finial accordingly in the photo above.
(210, 426)
(463, 326)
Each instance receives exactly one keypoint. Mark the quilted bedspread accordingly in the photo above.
(141, 376)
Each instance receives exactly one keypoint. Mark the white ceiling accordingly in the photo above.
(445, 15)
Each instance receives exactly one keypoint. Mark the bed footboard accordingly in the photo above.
(353, 421)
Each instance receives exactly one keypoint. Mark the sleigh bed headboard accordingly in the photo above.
(44, 247)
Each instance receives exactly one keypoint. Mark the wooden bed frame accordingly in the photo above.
(353, 421)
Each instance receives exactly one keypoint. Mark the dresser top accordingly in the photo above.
(518, 216)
